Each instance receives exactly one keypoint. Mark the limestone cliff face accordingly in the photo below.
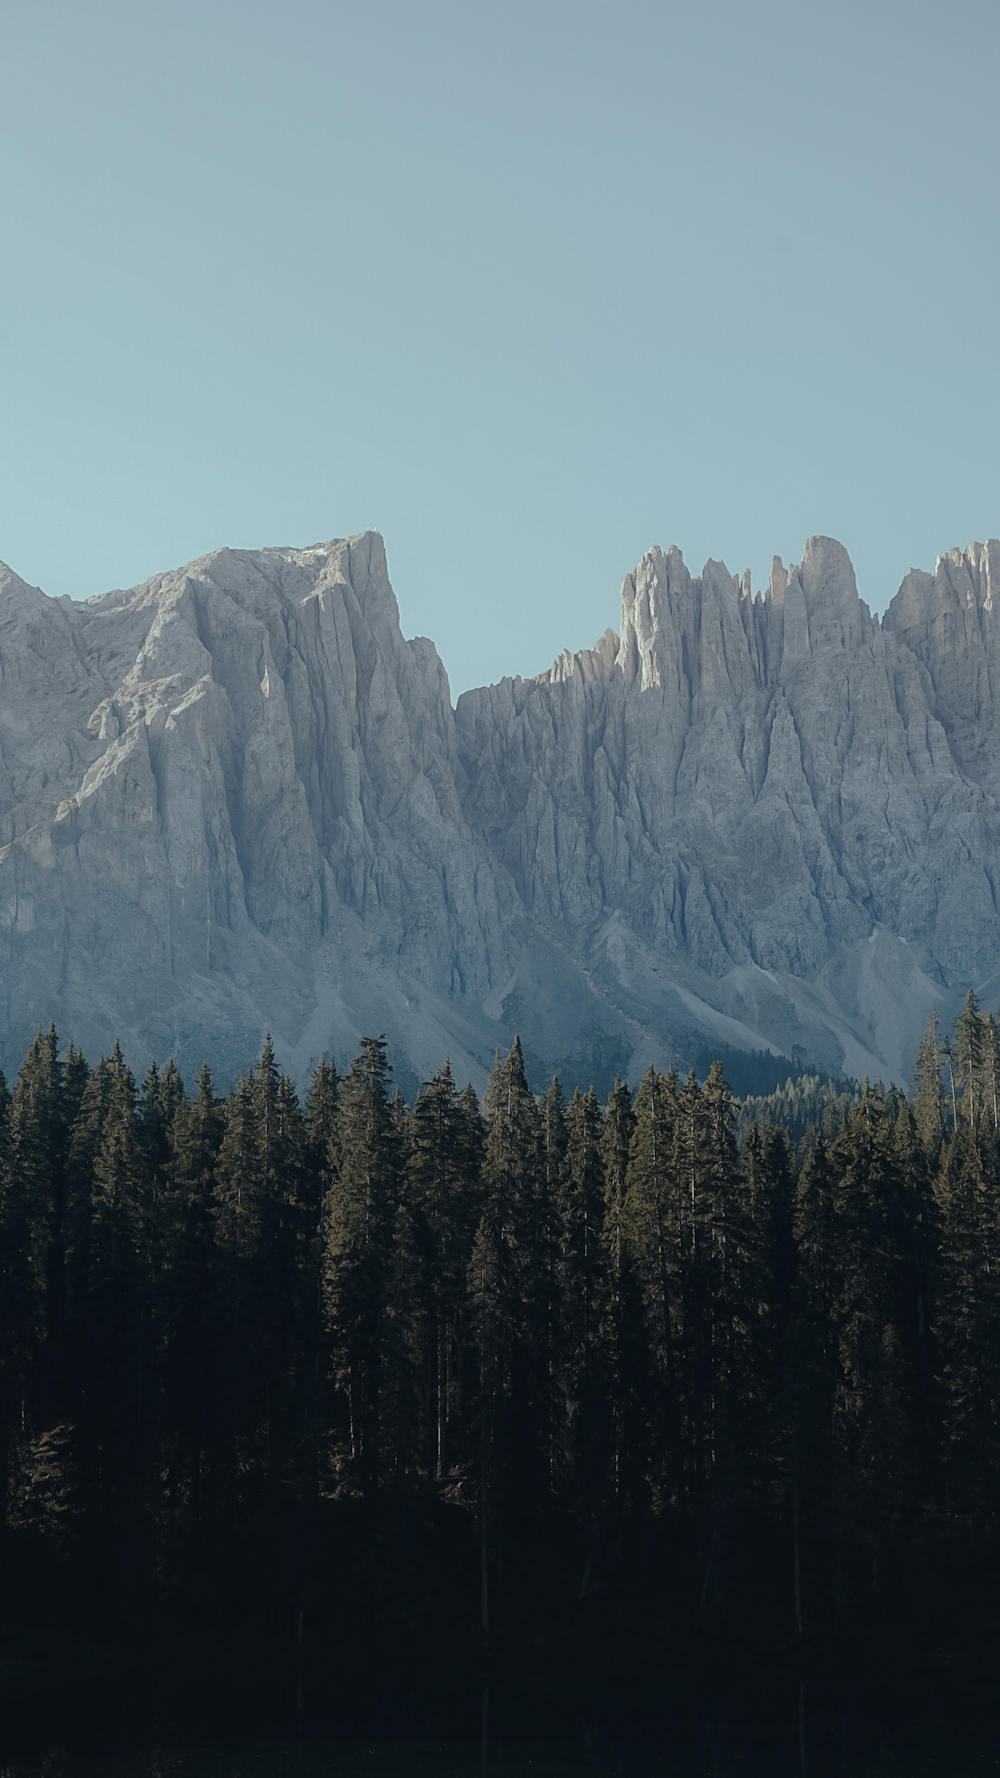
(216, 785)
(749, 779)
(776, 782)
(235, 797)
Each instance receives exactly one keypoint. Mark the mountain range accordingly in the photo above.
(236, 798)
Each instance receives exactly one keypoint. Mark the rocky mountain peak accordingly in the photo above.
(236, 797)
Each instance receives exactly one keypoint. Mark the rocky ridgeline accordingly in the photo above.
(235, 797)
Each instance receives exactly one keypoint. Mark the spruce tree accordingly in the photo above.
(505, 1272)
(807, 1402)
(28, 1205)
(921, 1235)
(969, 1051)
(876, 1388)
(545, 1237)
(359, 1228)
(581, 1292)
(620, 1328)
(720, 1283)
(653, 1243)
(189, 1303)
(991, 1071)
(322, 1136)
(760, 1272)
(968, 1194)
(927, 1095)
(260, 1234)
(443, 1175)
(36, 1155)
(111, 1319)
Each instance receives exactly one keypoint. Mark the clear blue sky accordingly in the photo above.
(528, 287)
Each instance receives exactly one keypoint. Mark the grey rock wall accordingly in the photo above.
(236, 798)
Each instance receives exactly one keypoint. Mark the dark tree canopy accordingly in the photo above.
(218, 1317)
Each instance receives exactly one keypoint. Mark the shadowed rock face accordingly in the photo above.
(235, 798)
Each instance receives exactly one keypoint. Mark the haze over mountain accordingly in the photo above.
(236, 798)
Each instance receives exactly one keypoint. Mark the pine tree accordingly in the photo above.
(321, 1158)
(921, 1235)
(720, 1201)
(876, 1393)
(322, 1136)
(111, 1321)
(360, 1225)
(29, 1187)
(968, 1194)
(927, 1094)
(545, 1236)
(443, 1172)
(720, 1281)
(947, 1055)
(188, 1303)
(262, 1250)
(816, 1473)
(817, 1291)
(991, 1071)
(581, 1291)
(653, 1245)
(36, 1152)
(970, 1060)
(109, 1218)
(761, 1269)
(620, 1329)
(698, 1277)
(157, 1103)
(504, 1273)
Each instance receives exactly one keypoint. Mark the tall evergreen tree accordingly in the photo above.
(970, 1060)
(927, 1094)
(29, 1202)
(811, 1383)
(360, 1224)
(504, 1273)
(582, 1290)
(261, 1244)
(111, 1320)
(620, 1330)
(36, 1155)
(876, 1394)
(921, 1239)
(760, 1275)
(968, 1194)
(443, 1172)
(322, 1136)
(188, 1300)
(654, 1238)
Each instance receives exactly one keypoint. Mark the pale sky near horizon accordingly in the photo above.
(527, 287)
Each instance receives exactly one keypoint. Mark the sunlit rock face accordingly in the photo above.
(236, 798)
(228, 803)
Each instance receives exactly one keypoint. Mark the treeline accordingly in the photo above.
(803, 1102)
(225, 1322)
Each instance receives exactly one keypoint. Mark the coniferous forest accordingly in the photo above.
(346, 1366)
